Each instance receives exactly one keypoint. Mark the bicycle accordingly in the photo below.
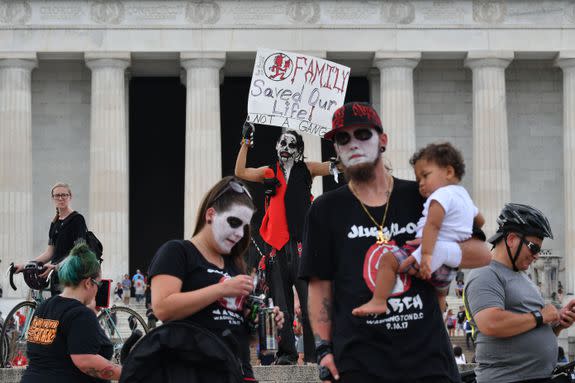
(117, 322)
(15, 328)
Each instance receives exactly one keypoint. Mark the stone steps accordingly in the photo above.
(264, 374)
(460, 341)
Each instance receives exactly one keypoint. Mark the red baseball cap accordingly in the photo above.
(354, 114)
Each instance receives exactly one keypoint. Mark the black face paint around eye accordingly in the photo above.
(234, 222)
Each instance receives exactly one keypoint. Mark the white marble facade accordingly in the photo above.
(439, 70)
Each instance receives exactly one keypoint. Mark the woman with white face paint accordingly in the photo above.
(203, 279)
(288, 181)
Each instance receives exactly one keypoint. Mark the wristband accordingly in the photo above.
(538, 318)
(323, 348)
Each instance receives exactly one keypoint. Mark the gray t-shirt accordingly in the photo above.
(531, 355)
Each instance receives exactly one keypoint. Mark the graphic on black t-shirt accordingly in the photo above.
(42, 331)
(403, 306)
(371, 265)
(230, 303)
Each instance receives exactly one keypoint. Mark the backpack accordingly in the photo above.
(94, 244)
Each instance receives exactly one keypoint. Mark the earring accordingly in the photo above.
(209, 221)
(382, 149)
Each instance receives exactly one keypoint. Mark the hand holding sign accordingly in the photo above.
(296, 91)
(248, 131)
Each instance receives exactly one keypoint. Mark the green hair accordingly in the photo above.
(80, 264)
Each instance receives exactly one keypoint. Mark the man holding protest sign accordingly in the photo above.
(298, 93)
(288, 183)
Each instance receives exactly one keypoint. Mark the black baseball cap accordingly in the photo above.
(354, 114)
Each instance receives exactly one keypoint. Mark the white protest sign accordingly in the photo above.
(296, 91)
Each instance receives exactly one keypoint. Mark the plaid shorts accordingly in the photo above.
(440, 279)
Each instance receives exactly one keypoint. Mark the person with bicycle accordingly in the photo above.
(204, 279)
(516, 337)
(65, 341)
(66, 228)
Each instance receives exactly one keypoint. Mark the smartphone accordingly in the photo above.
(103, 295)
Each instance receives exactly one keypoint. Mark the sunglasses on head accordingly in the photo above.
(533, 247)
(343, 138)
(236, 187)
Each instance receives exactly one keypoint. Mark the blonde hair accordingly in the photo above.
(59, 185)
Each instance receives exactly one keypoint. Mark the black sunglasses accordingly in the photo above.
(343, 138)
(533, 247)
(236, 187)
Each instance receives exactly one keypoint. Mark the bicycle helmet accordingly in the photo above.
(32, 272)
(524, 220)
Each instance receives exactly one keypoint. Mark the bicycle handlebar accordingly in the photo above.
(565, 368)
(11, 271)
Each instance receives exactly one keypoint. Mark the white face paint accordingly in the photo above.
(228, 226)
(357, 152)
(286, 147)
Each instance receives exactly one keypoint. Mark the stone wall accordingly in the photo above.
(60, 139)
(534, 107)
(443, 109)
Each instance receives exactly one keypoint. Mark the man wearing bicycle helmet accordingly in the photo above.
(516, 338)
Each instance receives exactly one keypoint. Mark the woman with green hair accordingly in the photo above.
(65, 341)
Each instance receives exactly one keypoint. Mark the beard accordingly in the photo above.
(362, 173)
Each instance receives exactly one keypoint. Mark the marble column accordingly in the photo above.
(312, 143)
(109, 181)
(491, 185)
(203, 135)
(566, 60)
(374, 89)
(397, 108)
(15, 163)
(312, 152)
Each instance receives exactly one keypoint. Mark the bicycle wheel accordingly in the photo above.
(14, 335)
(118, 323)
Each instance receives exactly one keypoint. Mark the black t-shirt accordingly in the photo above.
(408, 343)
(63, 233)
(184, 261)
(62, 327)
(461, 317)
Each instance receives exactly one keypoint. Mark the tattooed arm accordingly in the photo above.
(320, 301)
(320, 309)
(96, 366)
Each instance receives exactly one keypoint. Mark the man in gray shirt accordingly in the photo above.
(517, 340)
